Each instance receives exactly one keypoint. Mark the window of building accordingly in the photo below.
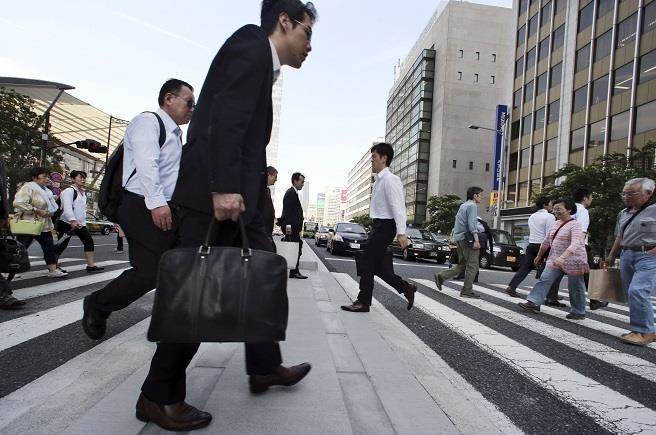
(454, 164)
(645, 118)
(471, 165)
(533, 25)
(558, 38)
(580, 97)
(603, 45)
(560, 5)
(521, 36)
(599, 90)
(649, 18)
(626, 31)
(519, 67)
(523, 6)
(527, 124)
(582, 58)
(647, 67)
(556, 74)
(623, 80)
(475, 78)
(542, 84)
(528, 92)
(514, 130)
(461, 53)
(543, 49)
(487, 167)
(545, 14)
(491, 80)
(530, 59)
(577, 139)
(539, 119)
(517, 98)
(478, 55)
(619, 126)
(459, 75)
(586, 16)
(525, 158)
(513, 159)
(494, 57)
(537, 154)
(596, 135)
(554, 112)
(552, 149)
(604, 7)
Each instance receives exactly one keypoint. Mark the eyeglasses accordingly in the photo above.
(190, 103)
(631, 194)
(307, 29)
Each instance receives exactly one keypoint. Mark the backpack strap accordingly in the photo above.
(162, 139)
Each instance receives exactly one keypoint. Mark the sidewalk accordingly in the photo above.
(370, 375)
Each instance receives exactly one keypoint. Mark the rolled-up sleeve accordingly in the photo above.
(395, 196)
(143, 145)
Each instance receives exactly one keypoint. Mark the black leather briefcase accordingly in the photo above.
(220, 294)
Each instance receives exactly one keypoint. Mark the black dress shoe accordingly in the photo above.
(179, 417)
(409, 294)
(296, 274)
(356, 307)
(512, 292)
(11, 303)
(575, 316)
(94, 322)
(94, 268)
(595, 304)
(553, 303)
(530, 306)
(281, 376)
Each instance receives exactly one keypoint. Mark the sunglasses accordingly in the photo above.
(190, 103)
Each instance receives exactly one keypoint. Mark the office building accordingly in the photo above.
(272, 147)
(583, 87)
(454, 76)
(359, 184)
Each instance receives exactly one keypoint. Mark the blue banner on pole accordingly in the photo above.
(502, 111)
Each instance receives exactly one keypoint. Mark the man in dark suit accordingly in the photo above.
(223, 166)
(291, 220)
(269, 212)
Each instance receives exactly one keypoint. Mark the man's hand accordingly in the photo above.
(74, 225)
(40, 213)
(538, 261)
(228, 206)
(477, 245)
(162, 217)
(403, 240)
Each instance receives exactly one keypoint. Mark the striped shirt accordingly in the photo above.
(569, 238)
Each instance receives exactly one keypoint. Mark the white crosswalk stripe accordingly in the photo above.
(66, 284)
(44, 272)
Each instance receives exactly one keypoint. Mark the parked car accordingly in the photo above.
(422, 244)
(505, 252)
(346, 237)
(321, 236)
(309, 229)
(98, 224)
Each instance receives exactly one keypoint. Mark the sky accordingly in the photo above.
(117, 55)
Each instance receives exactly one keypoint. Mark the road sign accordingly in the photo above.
(56, 177)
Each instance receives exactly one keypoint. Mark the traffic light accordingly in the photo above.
(92, 145)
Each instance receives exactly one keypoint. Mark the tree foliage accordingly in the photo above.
(441, 211)
(20, 138)
(363, 220)
(605, 179)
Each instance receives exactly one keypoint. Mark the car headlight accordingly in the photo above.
(445, 248)
(496, 249)
(338, 238)
(418, 245)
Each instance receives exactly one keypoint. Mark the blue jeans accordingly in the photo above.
(576, 289)
(638, 270)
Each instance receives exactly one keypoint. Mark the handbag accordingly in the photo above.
(220, 294)
(289, 251)
(606, 285)
(13, 256)
(25, 226)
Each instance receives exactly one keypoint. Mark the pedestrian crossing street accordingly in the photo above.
(582, 365)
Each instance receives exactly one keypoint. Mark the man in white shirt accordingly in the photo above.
(389, 219)
(73, 219)
(539, 224)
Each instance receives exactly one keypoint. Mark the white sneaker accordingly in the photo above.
(57, 273)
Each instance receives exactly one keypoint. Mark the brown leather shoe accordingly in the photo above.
(439, 281)
(639, 339)
(356, 307)
(178, 417)
(409, 294)
(512, 292)
(281, 376)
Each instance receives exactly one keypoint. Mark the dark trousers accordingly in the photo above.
(373, 261)
(553, 291)
(47, 245)
(295, 237)
(81, 232)
(527, 265)
(119, 243)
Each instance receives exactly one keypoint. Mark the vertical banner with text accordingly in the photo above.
(502, 112)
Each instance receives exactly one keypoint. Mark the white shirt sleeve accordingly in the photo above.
(395, 197)
(144, 149)
(66, 198)
(583, 218)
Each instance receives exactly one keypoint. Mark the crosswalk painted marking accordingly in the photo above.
(66, 284)
(609, 408)
(44, 272)
(61, 260)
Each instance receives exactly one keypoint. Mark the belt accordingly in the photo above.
(382, 220)
(643, 248)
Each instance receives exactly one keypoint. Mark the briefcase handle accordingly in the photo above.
(206, 247)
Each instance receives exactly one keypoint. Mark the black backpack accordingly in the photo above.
(56, 215)
(111, 187)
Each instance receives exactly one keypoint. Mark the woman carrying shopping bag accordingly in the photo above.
(35, 204)
(566, 256)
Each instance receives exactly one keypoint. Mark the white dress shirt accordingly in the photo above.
(539, 225)
(157, 168)
(73, 210)
(583, 216)
(276, 61)
(388, 200)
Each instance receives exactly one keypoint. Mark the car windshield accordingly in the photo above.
(350, 228)
(440, 237)
(503, 237)
(415, 233)
(323, 230)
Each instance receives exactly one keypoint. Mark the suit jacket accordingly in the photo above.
(268, 213)
(231, 127)
(292, 211)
